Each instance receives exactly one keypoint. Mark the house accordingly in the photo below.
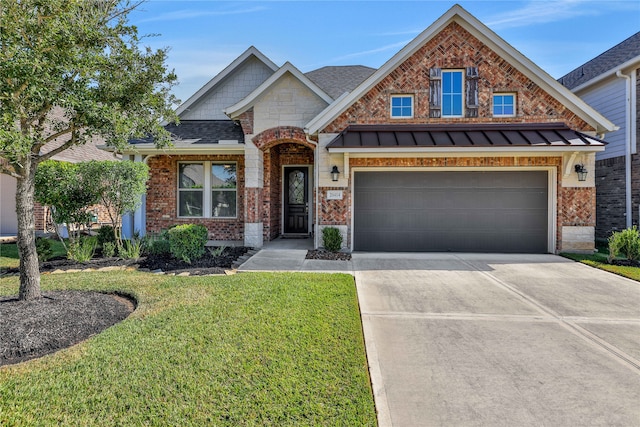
(457, 143)
(610, 83)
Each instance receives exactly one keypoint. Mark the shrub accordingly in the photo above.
(82, 249)
(106, 235)
(43, 248)
(216, 252)
(331, 239)
(108, 249)
(130, 249)
(187, 242)
(156, 244)
(625, 242)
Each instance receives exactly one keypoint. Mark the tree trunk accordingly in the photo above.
(29, 265)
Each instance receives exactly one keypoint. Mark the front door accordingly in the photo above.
(296, 199)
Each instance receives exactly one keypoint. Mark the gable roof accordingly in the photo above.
(336, 80)
(246, 103)
(247, 54)
(493, 41)
(625, 52)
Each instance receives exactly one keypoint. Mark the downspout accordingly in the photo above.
(627, 148)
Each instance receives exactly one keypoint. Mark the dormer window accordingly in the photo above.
(401, 106)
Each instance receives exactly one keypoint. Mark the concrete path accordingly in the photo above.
(289, 255)
(499, 340)
(490, 340)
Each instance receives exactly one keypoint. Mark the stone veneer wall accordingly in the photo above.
(575, 205)
(162, 187)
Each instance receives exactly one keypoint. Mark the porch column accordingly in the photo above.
(254, 179)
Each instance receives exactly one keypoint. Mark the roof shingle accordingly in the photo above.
(189, 132)
(617, 55)
(336, 80)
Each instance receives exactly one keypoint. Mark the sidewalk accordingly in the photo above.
(289, 255)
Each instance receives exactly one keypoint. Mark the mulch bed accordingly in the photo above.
(31, 329)
(326, 255)
(208, 264)
(626, 263)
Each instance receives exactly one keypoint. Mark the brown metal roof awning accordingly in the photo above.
(487, 136)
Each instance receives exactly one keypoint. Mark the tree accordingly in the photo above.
(120, 186)
(69, 191)
(71, 70)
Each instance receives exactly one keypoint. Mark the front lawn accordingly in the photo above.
(599, 260)
(9, 253)
(249, 349)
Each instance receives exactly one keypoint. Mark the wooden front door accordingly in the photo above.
(296, 200)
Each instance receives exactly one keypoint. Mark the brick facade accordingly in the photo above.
(278, 135)
(162, 205)
(575, 205)
(454, 48)
(611, 195)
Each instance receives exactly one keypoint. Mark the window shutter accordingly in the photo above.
(471, 95)
(435, 92)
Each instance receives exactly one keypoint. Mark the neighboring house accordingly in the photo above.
(8, 216)
(610, 83)
(457, 143)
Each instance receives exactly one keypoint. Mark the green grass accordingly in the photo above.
(243, 350)
(599, 260)
(9, 253)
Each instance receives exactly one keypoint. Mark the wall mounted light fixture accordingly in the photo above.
(335, 173)
(582, 172)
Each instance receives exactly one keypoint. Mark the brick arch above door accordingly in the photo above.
(279, 135)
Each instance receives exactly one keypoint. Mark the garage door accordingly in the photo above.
(468, 211)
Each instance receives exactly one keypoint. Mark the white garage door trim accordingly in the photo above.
(552, 178)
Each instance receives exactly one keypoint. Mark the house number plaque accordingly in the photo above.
(334, 194)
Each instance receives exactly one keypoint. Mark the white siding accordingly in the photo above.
(609, 100)
(287, 102)
(228, 92)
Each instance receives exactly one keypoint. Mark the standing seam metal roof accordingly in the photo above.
(484, 136)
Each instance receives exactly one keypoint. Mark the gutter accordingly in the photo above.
(627, 147)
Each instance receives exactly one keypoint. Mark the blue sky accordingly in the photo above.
(205, 36)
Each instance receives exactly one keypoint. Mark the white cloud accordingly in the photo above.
(540, 12)
(194, 13)
(393, 46)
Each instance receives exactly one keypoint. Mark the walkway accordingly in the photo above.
(289, 255)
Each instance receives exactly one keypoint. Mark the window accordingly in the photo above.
(401, 106)
(219, 201)
(504, 105)
(223, 190)
(190, 189)
(452, 93)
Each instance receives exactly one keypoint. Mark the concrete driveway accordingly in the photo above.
(499, 340)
